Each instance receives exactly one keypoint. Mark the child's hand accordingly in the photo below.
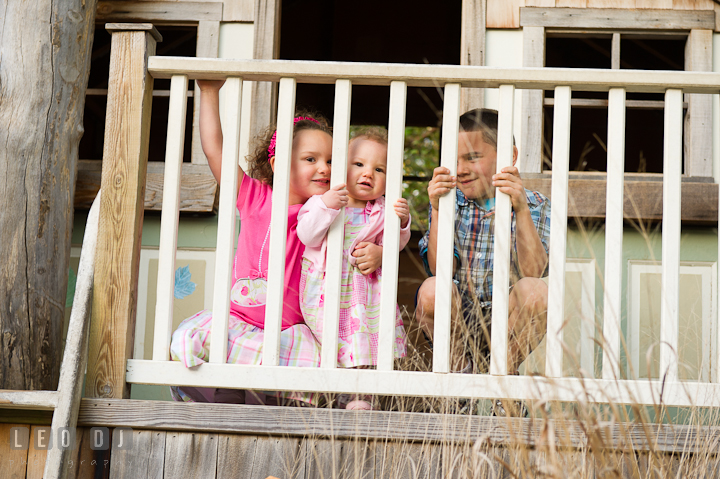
(368, 257)
(403, 211)
(441, 184)
(336, 197)
(510, 183)
(210, 85)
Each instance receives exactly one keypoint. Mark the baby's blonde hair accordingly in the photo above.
(374, 133)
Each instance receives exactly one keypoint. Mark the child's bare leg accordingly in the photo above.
(527, 322)
(358, 401)
(425, 316)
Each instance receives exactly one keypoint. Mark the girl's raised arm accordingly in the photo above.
(211, 136)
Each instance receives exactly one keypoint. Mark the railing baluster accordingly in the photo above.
(446, 233)
(614, 233)
(278, 232)
(672, 170)
(558, 235)
(502, 245)
(391, 235)
(170, 217)
(336, 234)
(226, 237)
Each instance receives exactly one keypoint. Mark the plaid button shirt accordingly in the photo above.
(474, 236)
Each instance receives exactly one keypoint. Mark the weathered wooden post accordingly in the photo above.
(125, 152)
(44, 65)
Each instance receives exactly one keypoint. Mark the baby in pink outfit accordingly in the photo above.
(361, 276)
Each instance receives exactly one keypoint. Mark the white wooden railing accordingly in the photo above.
(440, 382)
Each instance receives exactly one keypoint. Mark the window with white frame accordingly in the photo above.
(695, 327)
(589, 124)
(612, 38)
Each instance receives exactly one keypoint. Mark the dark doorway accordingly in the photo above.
(418, 31)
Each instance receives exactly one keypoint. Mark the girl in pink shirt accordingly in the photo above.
(309, 175)
(362, 253)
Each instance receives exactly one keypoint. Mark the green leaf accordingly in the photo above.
(70, 295)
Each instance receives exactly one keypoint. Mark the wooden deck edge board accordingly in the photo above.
(388, 425)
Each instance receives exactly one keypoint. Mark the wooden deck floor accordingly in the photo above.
(229, 441)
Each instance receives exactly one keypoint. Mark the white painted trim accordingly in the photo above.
(278, 231)
(707, 272)
(672, 168)
(558, 233)
(391, 233)
(586, 267)
(417, 75)
(422, 384)
(226, 236)
(170, 217)
(336, 234)
(501, 245)
(444, 258)
(612, 304)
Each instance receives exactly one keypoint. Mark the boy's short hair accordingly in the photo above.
(484, 120)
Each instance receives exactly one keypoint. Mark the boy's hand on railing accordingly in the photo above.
(210, 85)
(510, 183)
(336, 197)
(403, 211)
(441, 184)
(368, 257)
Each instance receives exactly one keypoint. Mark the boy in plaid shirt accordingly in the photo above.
(476, 182)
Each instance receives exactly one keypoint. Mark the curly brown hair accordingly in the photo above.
(258, 164)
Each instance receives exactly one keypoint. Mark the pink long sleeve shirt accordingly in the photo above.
(315, 218)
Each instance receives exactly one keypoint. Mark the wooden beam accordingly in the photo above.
(239, 11)
(615, 56)
(698, 141)
(266, 46)
(654, 4)
(125, 152)
(503, 13)
(158, 12)
(613, 19)
(208, 43)
(643, 199)
(693, 4)
(598, 103)
(385, 425)
(472, 48)
(197, 186)
(531, 143)
(609, 4)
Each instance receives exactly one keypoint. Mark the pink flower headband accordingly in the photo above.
(271, 146)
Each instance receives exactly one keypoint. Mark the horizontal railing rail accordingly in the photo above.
(416, 75)
(440, 382)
